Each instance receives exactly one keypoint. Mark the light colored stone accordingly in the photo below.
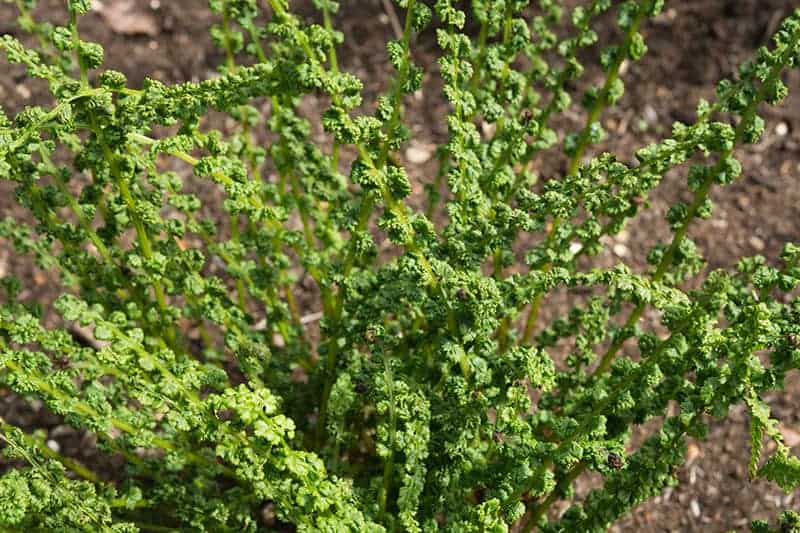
(719, 223)
(128, 17)
(650, 114)
(790, 436)
(23, 91)
(418, 153)
(694, 505)
(692, 452)
(620, 250)
(756, 242)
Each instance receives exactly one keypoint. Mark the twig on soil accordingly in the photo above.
(310, 318)
(394, 20)
(85, 338)
(772, 25)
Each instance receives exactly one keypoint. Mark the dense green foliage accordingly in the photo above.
(433, 395)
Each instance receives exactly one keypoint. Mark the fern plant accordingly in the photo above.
(433, 396)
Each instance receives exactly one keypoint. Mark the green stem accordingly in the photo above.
(700, 196)
(334, 63)
(542, 508)
(240, 294)
(507, 20)
(76, 210)
(85, 409)
(584, 139)
(618, 391)
(68, 462)
(26, 18)
(226, 37)
(76, 47)
(141, 232)
(436, 187)
(388, 466)
(367, 205)
(483, 34)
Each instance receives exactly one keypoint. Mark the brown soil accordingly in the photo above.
(692, 45)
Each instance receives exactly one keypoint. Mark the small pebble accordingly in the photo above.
(621, 250)
(695, 507)
(782, 129)
(278, 341)
(60, 431)
(650, 114)
(756, 242)
(23, 91)
(692, 452)
(791, 436)
(719, 223)
(53, 445)
(268, 513)
(418, 154)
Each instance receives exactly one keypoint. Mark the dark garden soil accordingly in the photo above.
(692, 45)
